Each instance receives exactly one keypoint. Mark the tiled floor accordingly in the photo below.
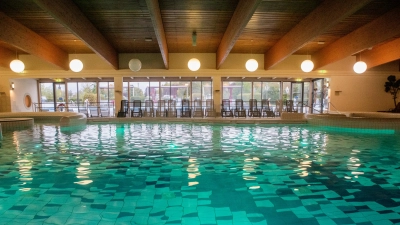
(192, 174)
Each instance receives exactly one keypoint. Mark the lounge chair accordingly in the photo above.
(148, 108)
(171, 110)
(136, 109)
(198, 108)
(290, 106)
(209, 111)
(226, 108)
(161, 111)
(186, 111)
(278, 108)
(254, 111)
(94, 111)
(124, 109)
(239, 111)
(265, 109)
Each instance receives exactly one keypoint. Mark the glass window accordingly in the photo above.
(271, 91)
(257, 90)
(196, 90)
(87, 91)
(165, 90)
(72, 92)
(154, 91)
(137, 90)
(207, 90)
(46, 91)
(125, 90)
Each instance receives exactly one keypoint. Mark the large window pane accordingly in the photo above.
(165, 90)
(154, 91)
(137, 90)
(257, 90)
(72, 92)
(87, 92)
(232, 90)
(196, 90)
(271, 91)
(125, 91)
(46, 97)
(207, 90)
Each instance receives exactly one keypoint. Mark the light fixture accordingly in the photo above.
(135, 65)
(360, 67)
(307, 65)
(12, 86)
(251, 64)
(17, 66)
(76, 65)
(194, 64)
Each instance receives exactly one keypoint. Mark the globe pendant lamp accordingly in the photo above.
(194, 64)
(360, 67)
(251, 65)
(135, 65)
(17, 66)
(307, 65)
(76, 65)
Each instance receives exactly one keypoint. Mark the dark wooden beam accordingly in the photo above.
(382, 54)
(6, 56)
(375, 32)
(16, 34)
(317, 22)
(242, 15)
(68, 14)
(155, 14)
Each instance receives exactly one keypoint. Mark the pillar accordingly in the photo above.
(118, 87)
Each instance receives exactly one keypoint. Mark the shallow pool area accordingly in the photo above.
(159, 173)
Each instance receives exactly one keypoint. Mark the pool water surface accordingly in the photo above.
(198, 174)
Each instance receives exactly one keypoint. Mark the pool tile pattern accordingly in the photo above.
(198, 174)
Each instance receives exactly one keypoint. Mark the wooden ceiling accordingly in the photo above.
(325, 29)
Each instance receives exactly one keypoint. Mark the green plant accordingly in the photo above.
(392, 86)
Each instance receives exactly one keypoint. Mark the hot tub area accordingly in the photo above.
(64, 119)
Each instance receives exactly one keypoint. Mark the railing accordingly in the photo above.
(93, 109)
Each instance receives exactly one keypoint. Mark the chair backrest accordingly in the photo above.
(197, 105)
(148, 104)
(124, 106)
(226, 104)
(239, 104)
(265, 105)
(161, 105)
(278, 105)
(210, 103)
(253, 104)
(137, 105)
(171, 104)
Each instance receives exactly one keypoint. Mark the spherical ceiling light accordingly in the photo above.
(17, 66)
(251, 65)
(360, 67)
(76, 65)
(194, 64)
(307, 65)
(135, 65)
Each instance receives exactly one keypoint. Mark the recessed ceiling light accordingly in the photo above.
(148, 39)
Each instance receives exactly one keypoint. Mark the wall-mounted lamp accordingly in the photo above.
(12, 85)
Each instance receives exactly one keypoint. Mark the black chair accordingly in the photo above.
(209, 111)
(161, 110)
(124, 109)
(185, 108)
(239, 111)
(266, 109)
(198, 110)
(290, 107)
(149, 108)
(254, 111)
(136, 110)
(226, 108)
(171, 110)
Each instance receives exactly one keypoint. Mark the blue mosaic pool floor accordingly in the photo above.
(198, 174)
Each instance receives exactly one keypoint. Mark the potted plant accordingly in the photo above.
(392, 86)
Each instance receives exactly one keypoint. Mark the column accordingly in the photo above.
(217, 92)
(118, 87)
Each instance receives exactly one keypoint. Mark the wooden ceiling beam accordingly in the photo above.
(375, 32)
(155, 14)
(382, 54)
(21, 37)
(6, 56)
(70, 16)
(317, 22)
(242, 15)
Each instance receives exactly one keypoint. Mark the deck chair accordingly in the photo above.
(136, 109)
(148, 108)
(278, 107)
(254, 111)
(197, 108)
(161, 111)
(239, 110)
(124, 109)
(290, 106)
(226, 108)
(186, 111)
(94, 111)
(209, 111)
(171, 108)
(265, 109)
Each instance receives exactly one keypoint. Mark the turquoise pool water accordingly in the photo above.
(198, 174)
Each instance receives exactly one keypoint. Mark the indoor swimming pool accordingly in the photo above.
(150, 173)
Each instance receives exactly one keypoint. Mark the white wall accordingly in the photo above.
(22, 88)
